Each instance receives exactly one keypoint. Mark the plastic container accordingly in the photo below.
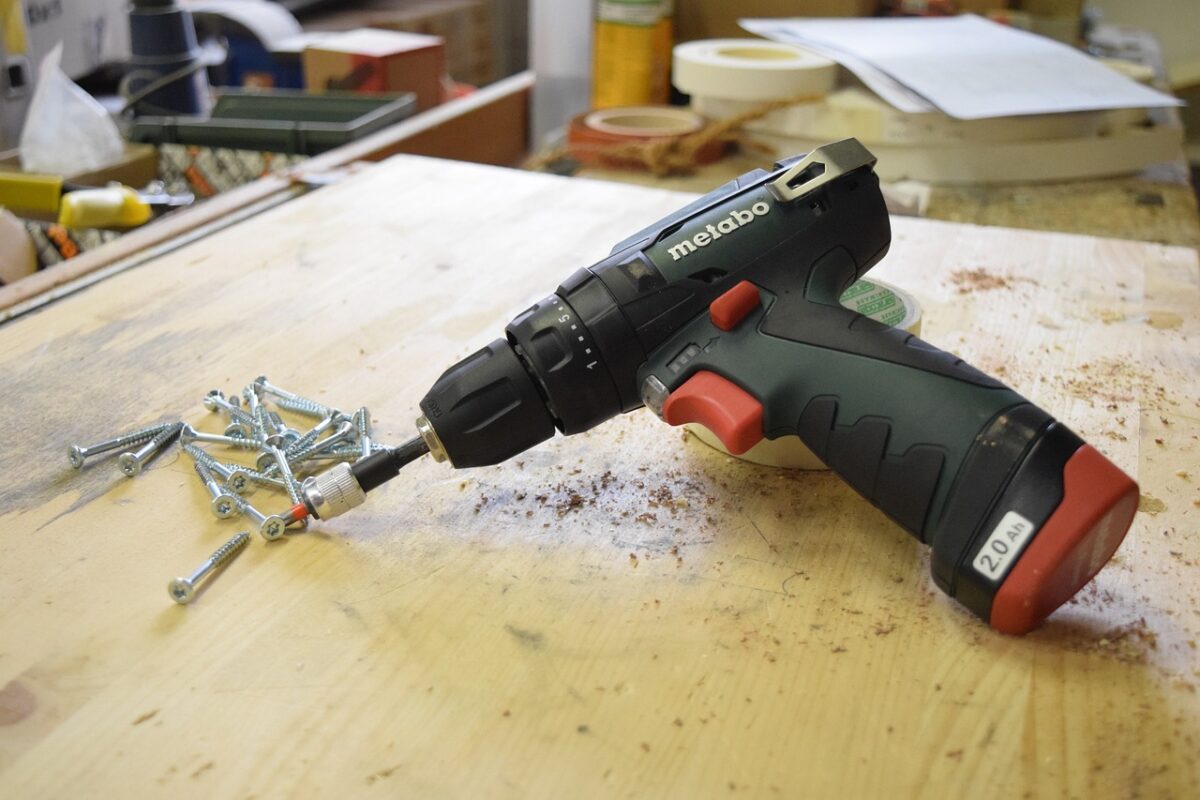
(292, 122)
(165, 54)
(631, 52)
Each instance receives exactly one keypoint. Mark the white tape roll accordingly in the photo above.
(877, 300)
(860, 113)
(750, 69)
(1118, 152)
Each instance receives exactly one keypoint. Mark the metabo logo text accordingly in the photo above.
(736, 219)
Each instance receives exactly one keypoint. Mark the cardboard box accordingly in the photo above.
(466, 25)
(371, 60)
(717, 19)
(137, 167)
(93, 32)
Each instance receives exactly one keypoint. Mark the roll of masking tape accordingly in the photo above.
(874, 299)
(590, 135)
(858, 112)
(750, 69)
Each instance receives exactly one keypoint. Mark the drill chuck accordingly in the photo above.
(487, 408)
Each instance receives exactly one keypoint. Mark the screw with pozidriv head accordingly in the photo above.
(76, 454)
(132, 463)
(272, 527)
(224, 504)
(183, 590)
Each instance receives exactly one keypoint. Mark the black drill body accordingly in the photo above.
(948, 452)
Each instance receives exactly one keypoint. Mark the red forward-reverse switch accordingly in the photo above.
(732, 307)
(726, 409)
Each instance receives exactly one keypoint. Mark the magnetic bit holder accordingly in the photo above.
(333, 492)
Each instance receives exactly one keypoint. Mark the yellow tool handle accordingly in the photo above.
(114, 206)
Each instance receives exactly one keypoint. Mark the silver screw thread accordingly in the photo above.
(280, 428)
(307, 408)
(310, 436)
(235, 414)
(183, 590)
(131, 463)
(281, 394)
(251, 398)
(293, 458)
(227, 551)
(290, 483)
(338, 454)
(263, 478)
(249, 510)
(200, 456)
(262, 422)
(206, 476)
(193, 435)
(285, 472)
(77, 454)
(236, 478)
(362, 419)
(343, 453)
(344, 432)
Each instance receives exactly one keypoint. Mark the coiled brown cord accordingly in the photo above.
(673, 155)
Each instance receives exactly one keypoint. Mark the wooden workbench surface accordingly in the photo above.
(626, 613)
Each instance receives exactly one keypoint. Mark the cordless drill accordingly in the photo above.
(726, 313)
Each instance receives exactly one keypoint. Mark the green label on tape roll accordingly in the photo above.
(879, 302)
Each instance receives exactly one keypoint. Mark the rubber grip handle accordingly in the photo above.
(896, 429)
(938, 446)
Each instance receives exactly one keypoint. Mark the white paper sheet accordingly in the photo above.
(965, 66)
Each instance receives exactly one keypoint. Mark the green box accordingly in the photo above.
(280, 121)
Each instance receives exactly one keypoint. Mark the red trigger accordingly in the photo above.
(720, 405)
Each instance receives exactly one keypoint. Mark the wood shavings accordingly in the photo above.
(969, 281)
(1151, 505)
(1128, 644)
(1164, 320)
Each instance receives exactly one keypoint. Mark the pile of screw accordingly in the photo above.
(283, 456)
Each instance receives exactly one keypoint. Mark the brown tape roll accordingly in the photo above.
(592, 137)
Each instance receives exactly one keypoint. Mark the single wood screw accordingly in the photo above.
(182, 590)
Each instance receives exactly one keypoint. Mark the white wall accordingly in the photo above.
(1175, 23)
